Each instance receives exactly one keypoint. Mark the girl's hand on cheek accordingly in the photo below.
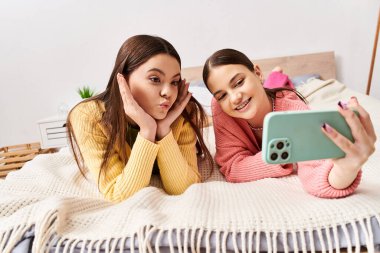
(134, 111)
(163, 126)
(357, 153)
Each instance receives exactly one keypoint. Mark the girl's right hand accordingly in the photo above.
(133, 110)
(346, 168)
(163, 126)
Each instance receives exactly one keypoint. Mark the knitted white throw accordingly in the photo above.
(51, 195)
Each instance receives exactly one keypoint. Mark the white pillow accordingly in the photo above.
(203, 96)
(209, 138)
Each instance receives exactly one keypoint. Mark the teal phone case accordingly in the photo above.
(294, 136)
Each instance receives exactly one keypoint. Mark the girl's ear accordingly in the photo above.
(126, 77)
(257, 72)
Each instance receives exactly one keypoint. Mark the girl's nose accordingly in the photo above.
(236, 98)
(167, 91)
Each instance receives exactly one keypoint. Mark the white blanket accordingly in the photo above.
(50, 194)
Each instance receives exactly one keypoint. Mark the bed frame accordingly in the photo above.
(318, 63)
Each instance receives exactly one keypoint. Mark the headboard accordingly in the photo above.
(317, 63)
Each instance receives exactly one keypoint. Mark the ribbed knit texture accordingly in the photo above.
(122, 181)
(239, 153)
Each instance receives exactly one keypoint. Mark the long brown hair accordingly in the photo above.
(134, 52)
(231, 56)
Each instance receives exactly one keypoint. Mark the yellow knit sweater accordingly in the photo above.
(175, 153)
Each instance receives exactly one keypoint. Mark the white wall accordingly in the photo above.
(50, 48)
(375, 83)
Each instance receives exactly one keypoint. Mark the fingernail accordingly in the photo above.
(327, 127)
(342, 105)
(355, 99)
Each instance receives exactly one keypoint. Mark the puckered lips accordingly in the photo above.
(165, 105)
(243, 105)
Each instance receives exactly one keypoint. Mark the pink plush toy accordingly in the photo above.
(277, 79)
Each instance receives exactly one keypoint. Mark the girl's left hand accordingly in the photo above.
(163, 126)
(346, 168)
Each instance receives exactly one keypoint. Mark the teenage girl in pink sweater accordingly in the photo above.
(239, 106)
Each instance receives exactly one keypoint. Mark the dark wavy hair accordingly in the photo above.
(134, 52)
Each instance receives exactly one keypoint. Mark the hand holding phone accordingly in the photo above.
(345, 169)
(294, 136)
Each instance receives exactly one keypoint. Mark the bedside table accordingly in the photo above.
(53, 132)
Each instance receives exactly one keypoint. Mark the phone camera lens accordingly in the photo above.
(280, 145)
(285, 155)
(274, 156)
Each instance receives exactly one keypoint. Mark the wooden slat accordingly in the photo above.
(317, 63)
(5, 173)
(48, 151)
(14, 157)
(17, 159)
(11, 166)
(20, 152)
(23, 146)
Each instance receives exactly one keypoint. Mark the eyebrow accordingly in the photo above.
(233, 78)
(216, 93)
(231, 81)
(162, 72)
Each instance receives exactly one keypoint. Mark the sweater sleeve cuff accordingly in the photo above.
(169, 150)
(145, 148)
(351, 188)
(330, 191)
(167, 140)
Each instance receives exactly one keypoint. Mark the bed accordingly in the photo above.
(47, 206)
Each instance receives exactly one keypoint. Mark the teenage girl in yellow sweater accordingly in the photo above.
(145, 122)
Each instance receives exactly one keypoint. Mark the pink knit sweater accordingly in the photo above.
(239, 154)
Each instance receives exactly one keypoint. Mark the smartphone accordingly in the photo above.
(294, 136)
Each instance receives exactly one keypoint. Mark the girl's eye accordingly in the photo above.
(154, 79)
(221, 97)
(239, 82)
(176, 83)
